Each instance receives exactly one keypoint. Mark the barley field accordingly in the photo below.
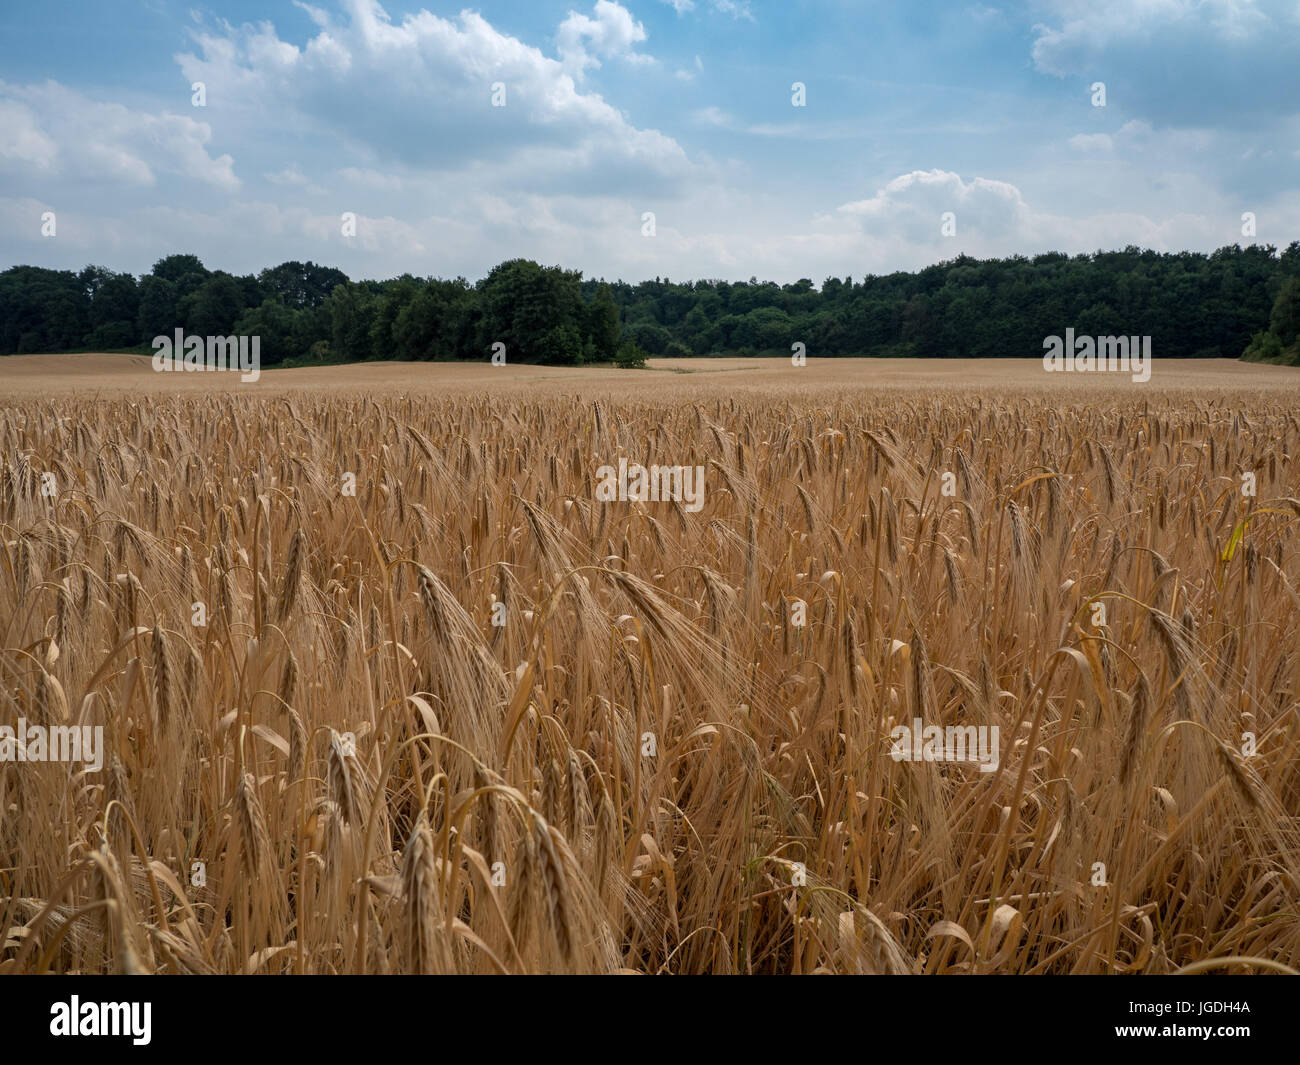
(447, 711)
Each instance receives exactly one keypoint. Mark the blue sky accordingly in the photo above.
(682, 108)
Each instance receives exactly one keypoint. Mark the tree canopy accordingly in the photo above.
(1225, 303)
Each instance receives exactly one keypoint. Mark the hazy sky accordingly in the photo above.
(679, 107)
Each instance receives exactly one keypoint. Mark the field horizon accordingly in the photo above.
(72, 372)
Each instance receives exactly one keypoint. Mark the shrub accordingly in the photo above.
(629, 355)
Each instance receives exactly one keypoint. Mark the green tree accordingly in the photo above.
(1284, 321)
(350, 310)
(535, 311)
(114, 306)
(300, 285)
(437, 323)
(42, 310)
(214, 306)
(605, 328)
(649, 337)
(561, 344)
(156, 315)
(276, 326)
(175, 267)
(629, 356)
(396, 295)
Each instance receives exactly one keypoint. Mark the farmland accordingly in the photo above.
(385, 688)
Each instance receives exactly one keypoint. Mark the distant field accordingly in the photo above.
(62, 373)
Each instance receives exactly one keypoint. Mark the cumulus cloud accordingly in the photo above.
(419, 93)
(901, 224)
(1177, 61)
(609, 32)
(21, 138)
(395, 116)
(59, 130)
(1084, 31)
(912, 205)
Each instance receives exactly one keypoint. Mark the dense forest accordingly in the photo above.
(1232, 301)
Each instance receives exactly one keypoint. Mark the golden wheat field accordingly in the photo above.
(650, 765)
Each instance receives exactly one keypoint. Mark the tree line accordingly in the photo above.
(1231, 301)
(1280, 342)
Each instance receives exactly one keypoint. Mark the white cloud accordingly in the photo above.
(1091, 142)
(1135, 138)
(442, 223)
(1135, 129)
(1085, 30)
(290, 175)
(689, 75)
(294, 177)
(912, 204)
(901, 223)
(713, 116)
(21, 137)
(419, 93)
(738, 9)
(584, 40)
(735, 8)
(60, 130)
(370, 178)
(316, 14)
